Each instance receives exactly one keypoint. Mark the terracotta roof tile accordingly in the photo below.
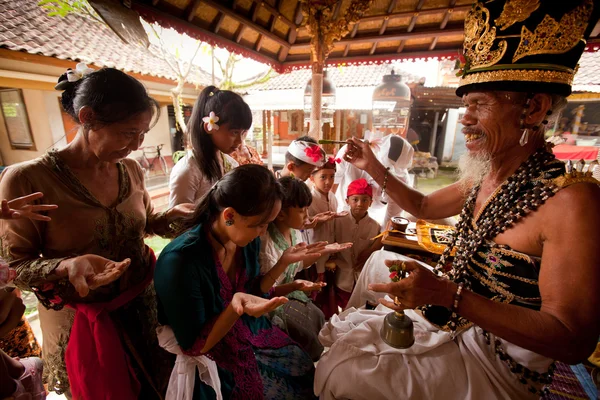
(589, 69)
(24, 26)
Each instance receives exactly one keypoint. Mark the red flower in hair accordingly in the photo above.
(314, 153)
(334, 160)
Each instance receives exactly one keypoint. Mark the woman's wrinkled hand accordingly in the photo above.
(21, 208)
(89, 272)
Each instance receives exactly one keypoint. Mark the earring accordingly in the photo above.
(229, 221)
(524, 137)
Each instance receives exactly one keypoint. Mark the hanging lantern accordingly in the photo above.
(391, 104)
(327, 100)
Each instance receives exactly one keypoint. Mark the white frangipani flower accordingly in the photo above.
(211, 121)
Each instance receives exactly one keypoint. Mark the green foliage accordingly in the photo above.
(62, 8)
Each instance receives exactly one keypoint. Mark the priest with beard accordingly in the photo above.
(521, 291)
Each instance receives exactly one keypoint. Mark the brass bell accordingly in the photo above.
(398, 330)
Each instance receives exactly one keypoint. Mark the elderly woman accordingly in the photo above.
(105, 339)
(522, 290)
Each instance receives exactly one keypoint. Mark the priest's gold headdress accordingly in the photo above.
(525, 45)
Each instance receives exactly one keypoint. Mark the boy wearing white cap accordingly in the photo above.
(302, 157)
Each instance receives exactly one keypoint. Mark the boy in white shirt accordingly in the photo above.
(395, 153)
(302, 157)
(324, 203)
(359, 228)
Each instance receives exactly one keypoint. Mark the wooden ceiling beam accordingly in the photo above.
(336, 12)
(191, 9)
(240, 33)
(433, 43)
(247, 22)
(447, 15)
(259, 42)
(283, 53)
(413, 20)
(428, 33)
(218, 22)
(386, 20)
(443, 24)
(373, 48)
(298, 17)
(292, 35)
(400, 47)
(274, 11)
(254, 11)
(404, 14)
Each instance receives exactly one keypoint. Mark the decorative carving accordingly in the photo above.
(552, 37)
(479, 39)
(516, 11)
(325, 29)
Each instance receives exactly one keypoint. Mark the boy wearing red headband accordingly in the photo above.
(359, 228)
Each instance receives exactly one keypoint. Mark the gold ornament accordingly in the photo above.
(516, 11)
(552, 37)
(479, 39)
(519, 75)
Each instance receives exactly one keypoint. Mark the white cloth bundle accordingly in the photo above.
(181, 382)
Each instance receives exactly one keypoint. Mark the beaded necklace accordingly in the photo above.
(523, 192)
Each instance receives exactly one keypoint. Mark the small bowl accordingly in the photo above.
(400, 224)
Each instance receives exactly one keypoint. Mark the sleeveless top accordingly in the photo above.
(500, 273)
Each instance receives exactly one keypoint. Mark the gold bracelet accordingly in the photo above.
(385, 179)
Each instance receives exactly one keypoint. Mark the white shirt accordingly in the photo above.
(383, 208)
(325, 231)
(187, 184)
(360, 234)
(270, 253)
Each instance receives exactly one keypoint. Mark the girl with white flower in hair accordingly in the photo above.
(216, 129)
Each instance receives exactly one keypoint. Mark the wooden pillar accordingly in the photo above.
(264, 129)
(338, 125)
(270, 141)
(433, 138)
(318, 61)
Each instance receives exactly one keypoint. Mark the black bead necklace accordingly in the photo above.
(522, 193)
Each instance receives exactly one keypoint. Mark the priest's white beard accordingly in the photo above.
(472, 168)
